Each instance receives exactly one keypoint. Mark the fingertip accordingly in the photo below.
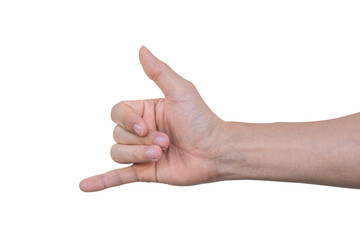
(140, 129)
(144, 50)
(153, 153)
(83, 186)
(160, 152)
(92, 184)
(162, 141)
(152, 65)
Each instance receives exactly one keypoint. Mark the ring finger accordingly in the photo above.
(135, 153)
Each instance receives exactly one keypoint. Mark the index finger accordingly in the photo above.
(129, 118)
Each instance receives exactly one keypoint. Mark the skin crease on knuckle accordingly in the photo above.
(117, 134)
(114, 112)
(112, 152)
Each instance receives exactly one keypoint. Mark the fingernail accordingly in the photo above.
(138, 129)
(151, 153)
(160, 141)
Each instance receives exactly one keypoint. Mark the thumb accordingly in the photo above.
(167, 80)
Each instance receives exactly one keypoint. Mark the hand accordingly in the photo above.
(178, 140)
(174, 140)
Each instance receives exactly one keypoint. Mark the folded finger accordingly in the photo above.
(135, 153)
(121, 136)
(125, 116)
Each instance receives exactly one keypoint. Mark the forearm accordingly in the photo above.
(324, 152)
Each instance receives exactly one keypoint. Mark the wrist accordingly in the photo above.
(249, 151)
(237, 146)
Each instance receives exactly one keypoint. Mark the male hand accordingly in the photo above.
(178, 140)
(174, 140)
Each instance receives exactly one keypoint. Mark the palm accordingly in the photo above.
(191, 128)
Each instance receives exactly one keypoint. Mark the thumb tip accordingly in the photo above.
(149, 62)
(144, 51)
(142, 48)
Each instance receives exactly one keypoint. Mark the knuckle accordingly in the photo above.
(117, 134)
(157, 74)
(116, 109)
(190, 84)
(113, 112)
(113, 152)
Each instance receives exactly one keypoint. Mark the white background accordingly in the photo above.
(64, 64)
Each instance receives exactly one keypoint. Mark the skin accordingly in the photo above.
(178, 140)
